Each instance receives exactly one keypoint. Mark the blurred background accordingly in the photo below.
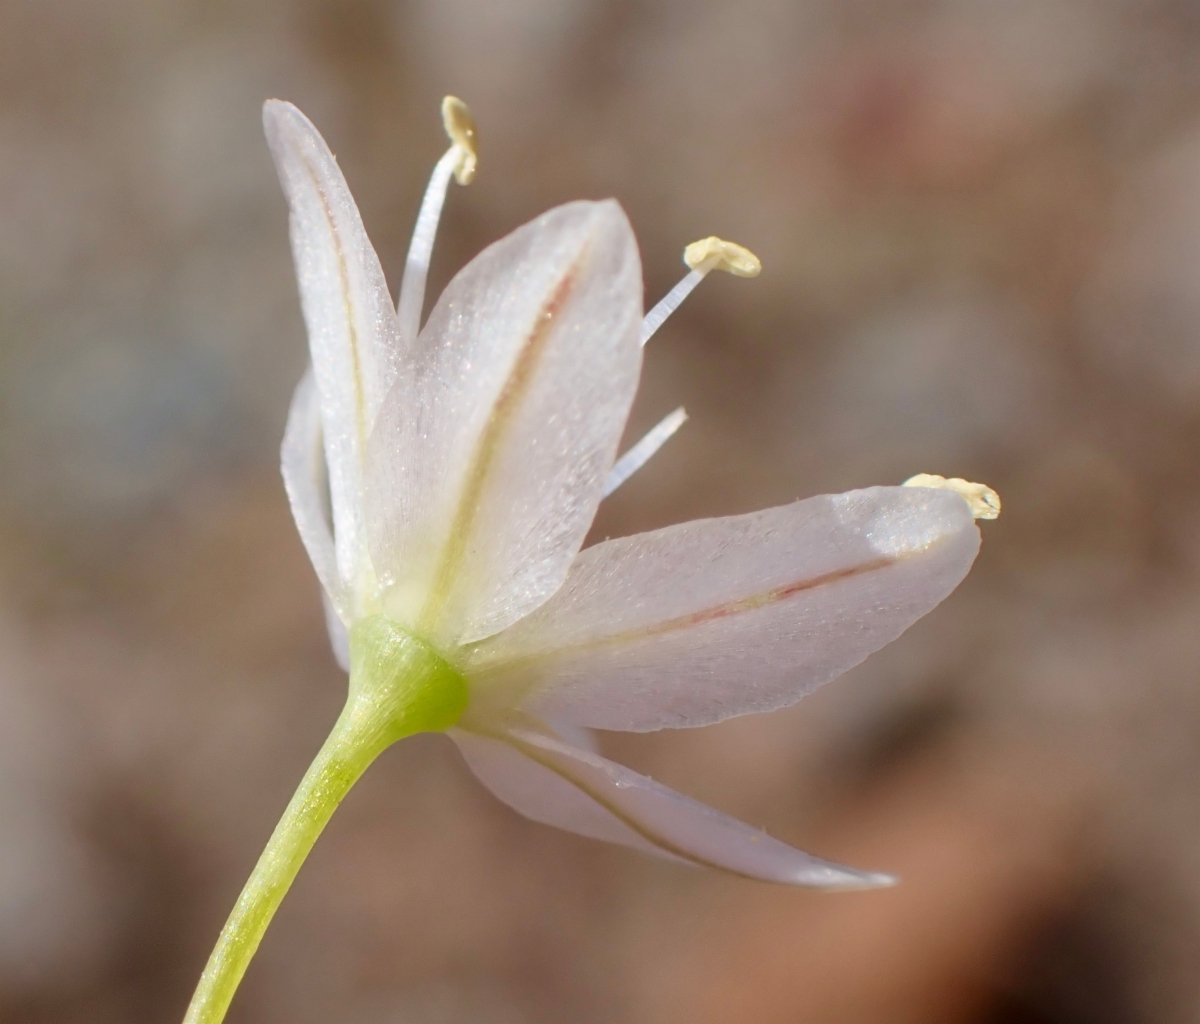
(980, 226)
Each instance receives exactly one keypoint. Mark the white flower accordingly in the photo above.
(443, 480)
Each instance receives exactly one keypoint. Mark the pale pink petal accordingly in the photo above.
(715, 618)
(557, 784)
(302, 460)
(339, 635)
(574, 735)
(352, 326)
(482, 493)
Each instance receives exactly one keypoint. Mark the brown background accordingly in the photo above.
(980, 224)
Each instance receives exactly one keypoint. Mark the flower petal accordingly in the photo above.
(481, 495)
(339, 635)
(302, 461)
(715, 618)
(551, 782)
(352, 325)
(574, 735)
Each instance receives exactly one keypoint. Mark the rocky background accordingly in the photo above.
(980, 225)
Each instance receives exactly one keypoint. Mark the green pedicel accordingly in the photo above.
(398, 686)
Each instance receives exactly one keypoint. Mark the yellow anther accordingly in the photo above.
(713, 253)
(984, 502)
(460, 126)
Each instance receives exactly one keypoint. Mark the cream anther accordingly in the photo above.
(710, 253)
(714, 253)
(460, 126)
(984, 502)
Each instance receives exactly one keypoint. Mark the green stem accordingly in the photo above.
(398, 686)
(339, 764)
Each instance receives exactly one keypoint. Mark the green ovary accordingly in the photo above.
(400, 683)
(398, 686)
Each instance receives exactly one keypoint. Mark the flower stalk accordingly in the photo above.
(398, 687)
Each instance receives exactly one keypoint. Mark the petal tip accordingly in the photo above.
(900, 521)
(289, 133)
(835, 878)
(589, 217)
(276, 112)
(608, 211)
(876, 880)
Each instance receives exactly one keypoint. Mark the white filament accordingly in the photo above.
(641, 453)
(670, 302)
(420, 251)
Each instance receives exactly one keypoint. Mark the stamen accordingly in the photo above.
(669, 303)
(984, 502)
(710, 253)
(459, 162)
(641, 453)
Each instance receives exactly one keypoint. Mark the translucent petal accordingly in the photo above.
(551, 782)
(715, 618)
(302, 461)
(481, 494)
(574, 735)
(339, 635)
(352, 326)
